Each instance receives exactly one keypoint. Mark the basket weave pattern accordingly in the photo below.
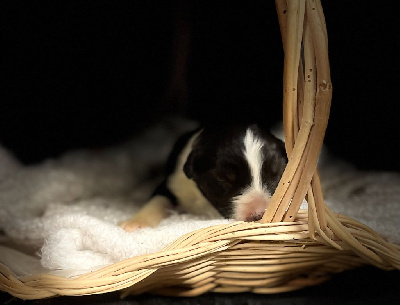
(290, 248)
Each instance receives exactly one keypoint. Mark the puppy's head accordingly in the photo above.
(237, 169)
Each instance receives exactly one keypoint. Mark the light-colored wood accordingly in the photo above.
(248, 261)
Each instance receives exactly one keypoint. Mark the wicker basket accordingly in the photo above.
(290, 248)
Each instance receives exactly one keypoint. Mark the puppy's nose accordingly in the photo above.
(254, 217)
(252, 210)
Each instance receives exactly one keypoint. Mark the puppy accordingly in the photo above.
(228, 172)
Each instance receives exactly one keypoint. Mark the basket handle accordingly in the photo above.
(307, 95)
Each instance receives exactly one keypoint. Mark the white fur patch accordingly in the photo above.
(252, 152)
(254, 199)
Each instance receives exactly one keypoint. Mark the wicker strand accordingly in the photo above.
(262, 258)
(294, 192)
(291, 43)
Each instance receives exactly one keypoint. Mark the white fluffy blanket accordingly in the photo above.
(61, 216)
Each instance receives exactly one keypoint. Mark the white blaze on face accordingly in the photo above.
(252, 203)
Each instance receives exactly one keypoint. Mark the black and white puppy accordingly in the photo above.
(228, 172)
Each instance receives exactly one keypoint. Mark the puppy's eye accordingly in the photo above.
(214, 187)
(226, 174)
(229, 175)
(226, 179)
(224, 183)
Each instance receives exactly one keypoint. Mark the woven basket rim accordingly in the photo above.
(226, 254)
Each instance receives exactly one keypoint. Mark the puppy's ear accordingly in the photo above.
(188, 167)
(197, 163)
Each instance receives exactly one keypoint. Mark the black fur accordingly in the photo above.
(219, 168)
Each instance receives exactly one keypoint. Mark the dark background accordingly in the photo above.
(93, 73)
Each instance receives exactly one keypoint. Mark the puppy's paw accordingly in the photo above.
(133, 224)
(149, 216)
